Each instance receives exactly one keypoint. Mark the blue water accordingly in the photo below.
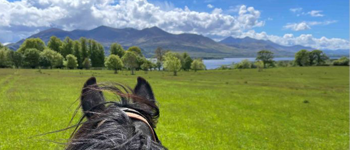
(215, 63)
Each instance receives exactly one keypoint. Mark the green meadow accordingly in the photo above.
(279, 108)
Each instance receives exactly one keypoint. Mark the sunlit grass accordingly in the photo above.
(279, 108)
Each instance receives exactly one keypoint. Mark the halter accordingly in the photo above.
(134, 114)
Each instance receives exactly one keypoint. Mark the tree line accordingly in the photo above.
(86, 53)
(264, 59)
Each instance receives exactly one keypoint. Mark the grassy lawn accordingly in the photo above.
(279, 108)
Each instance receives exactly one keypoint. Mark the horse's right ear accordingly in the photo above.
(91, 98)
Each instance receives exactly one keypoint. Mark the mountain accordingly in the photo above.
(252, 46)
(147, 39)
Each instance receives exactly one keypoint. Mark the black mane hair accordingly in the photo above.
(107, 126)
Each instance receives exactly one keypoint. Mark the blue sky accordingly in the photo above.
(319, 24)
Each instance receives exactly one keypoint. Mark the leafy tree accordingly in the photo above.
(159, 65)
(317, 57)
(159, 53)
(17, 59)
(136, 50)
(114, 62)
(4, 60)
(302, 58)
(77, 53)
(1, 46)
(71, 61)
(259, 65)
(83, 49)
(187, 61)
(146, 66)
(86, 63)
(31, 57)
(35, 43)
(197, 64)
(67, 47)
(97, 54)
(54, 43)
(130, 61)
(117, 49)
(265, 56)
(172, 63)
(343, 61)
(51, 58)
(244, 64)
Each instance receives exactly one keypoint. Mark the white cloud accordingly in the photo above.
(307, 25)
(294, 10)
(139, 14)
(20, 19)
(304, 40)
(210, 6)
(315, 13)
(297, 26)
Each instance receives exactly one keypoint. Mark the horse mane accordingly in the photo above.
(117, 130)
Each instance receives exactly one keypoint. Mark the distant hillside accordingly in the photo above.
(252, 46)
(149, 39)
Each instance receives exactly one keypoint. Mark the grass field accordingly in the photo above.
(279, 108)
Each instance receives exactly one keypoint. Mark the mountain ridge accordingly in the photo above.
(148, 39)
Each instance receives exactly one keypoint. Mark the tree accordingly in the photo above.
(187, 61)
(71, 61)
(197, 64)
(97, 56)
(51, 58)
(259, 65)
(83, 48)
(302, 58)
(265, 56)
(317, 57)
(159, 65)
(86, 63)
(172, 63)
(31, 57)
(77, 53)
(130, 61)
(4, 61)
(114, 62)
(35, 43)
(343, 61)
(146, 66)
(117, 49)
(67, 47)
(17, 59)
(244, 64)
(54, 43)
(136, 50)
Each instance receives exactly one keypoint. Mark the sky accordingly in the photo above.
(315, 23)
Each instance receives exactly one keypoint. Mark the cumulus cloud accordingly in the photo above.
(306, 25)
(210, 6)
(139, 14)
(304, 40)
(315, 13)
(297, 26)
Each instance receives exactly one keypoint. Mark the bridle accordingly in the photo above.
(134, 114)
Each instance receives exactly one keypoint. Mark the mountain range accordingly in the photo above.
(149, 39)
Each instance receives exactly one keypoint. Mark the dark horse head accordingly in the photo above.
(125, 124)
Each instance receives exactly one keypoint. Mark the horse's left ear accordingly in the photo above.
(91, 98)
(143, 89)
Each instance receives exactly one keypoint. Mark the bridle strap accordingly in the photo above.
(139, 117)
(134, 114)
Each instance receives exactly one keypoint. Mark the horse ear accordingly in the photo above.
(144, 90)
(91, 97)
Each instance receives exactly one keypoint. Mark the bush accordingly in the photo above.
(343, 61)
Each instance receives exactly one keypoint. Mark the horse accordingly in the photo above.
(128, 123)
